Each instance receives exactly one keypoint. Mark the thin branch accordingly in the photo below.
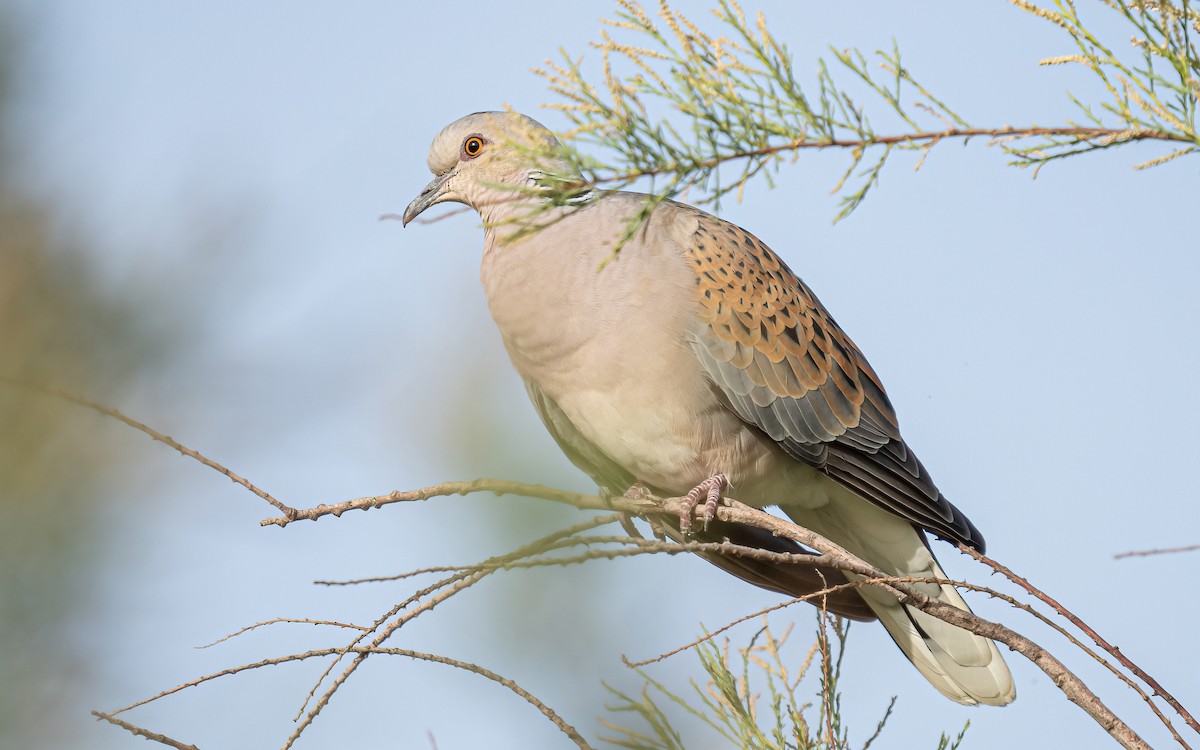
(447, 588)
(281, 620)
(738, 98)
(746, 618)
(361, 653)
(1098, 136)
(458, 582)
(1108, 136)
(497, 486)
(1161, 551)
(833, 556)
(1076, 691)
(641, 546)
(546, 711)
(733, 512)
(634, 546)
(1074, 641)
(1074, 688)
(426, 219)
(155, 434)
(137, 731)
(1079, 623)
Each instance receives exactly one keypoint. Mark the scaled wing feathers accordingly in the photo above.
(786, 367)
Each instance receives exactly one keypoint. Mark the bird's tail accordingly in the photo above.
(963, 666)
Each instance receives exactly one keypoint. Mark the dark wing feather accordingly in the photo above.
(786, 367)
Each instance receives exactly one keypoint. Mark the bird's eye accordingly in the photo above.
(472, 146)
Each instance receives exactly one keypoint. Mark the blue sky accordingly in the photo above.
(228, 161)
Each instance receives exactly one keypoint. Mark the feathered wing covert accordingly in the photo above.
(787, 368)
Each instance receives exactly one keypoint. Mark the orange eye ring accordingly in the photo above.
(473, 146)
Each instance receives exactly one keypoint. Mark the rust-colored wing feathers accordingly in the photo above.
(769, 339)
(787, 368)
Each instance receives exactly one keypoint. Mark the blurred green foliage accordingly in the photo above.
(58, 328)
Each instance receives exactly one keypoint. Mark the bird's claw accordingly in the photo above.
(711, 490)
(631, 530)
(637, 493)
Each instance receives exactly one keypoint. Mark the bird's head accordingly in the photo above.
(490, 158)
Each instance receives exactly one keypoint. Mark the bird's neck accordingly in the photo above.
(509, 216)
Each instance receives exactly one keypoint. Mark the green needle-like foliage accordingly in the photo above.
(1156, 96)
(705, 112)
(750, 698)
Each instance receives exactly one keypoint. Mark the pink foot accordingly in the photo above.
(637, 492)
(711, 488)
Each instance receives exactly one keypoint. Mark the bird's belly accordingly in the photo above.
(631, 400)
(672, 446)
(654, 441)
(666, 426)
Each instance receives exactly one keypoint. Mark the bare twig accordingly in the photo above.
(1107, 136)
(557, 720)
(730, 625)
(1161, 551)
(280, 620)
(1079, 623)
(633, 546)
(833, 556)
(497, 486)
(137, 731)
(447, 588)
(155, 434)
(426, 219)
(362, 653)
(458, 581)
(733, 512)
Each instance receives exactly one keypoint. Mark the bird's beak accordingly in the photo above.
(435, 192)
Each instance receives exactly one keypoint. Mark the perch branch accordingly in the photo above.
(137, 731)
(1096, 638)
(833, 555)
(733, 512)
